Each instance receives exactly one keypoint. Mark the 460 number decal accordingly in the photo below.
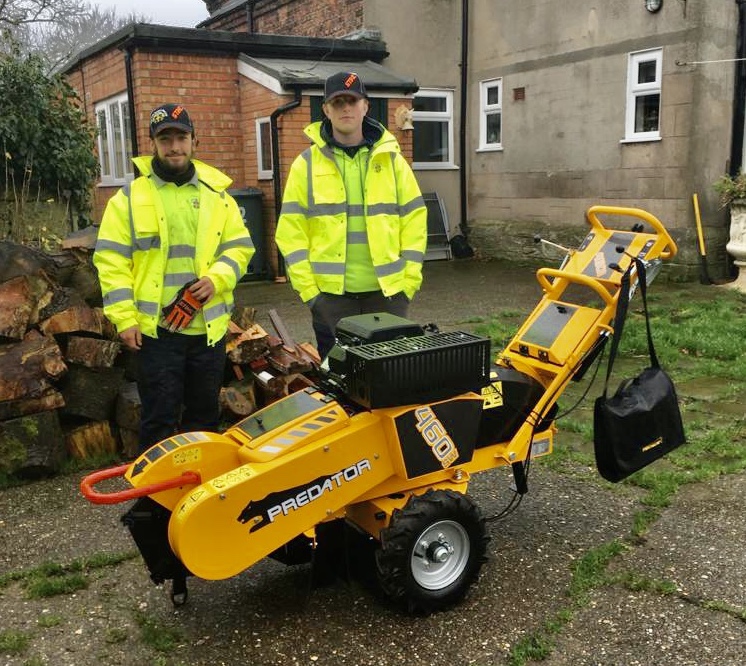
(436, 436)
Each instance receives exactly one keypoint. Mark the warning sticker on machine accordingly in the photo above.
(492, 395)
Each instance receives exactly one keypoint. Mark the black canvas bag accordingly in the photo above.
(641, 422)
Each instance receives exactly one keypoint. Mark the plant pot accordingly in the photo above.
(736, 247)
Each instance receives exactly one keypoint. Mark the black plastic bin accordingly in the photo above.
(249, 202)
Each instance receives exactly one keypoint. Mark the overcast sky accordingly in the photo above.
(183, 13)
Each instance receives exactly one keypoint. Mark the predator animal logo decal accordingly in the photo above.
(283, 502)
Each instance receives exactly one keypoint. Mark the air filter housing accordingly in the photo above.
(411, 370)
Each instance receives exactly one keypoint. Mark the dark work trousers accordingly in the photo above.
(328, 309)
(179, 380)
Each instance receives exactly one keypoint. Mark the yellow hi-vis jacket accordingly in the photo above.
(133, 246)
(312, 228)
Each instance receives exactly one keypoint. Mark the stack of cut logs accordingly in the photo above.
(67, 388)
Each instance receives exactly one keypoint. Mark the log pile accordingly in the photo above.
(67, 387)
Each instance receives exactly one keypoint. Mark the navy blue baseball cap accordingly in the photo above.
(344, 83)
(170, 115)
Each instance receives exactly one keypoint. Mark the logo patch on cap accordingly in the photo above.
(158, 116)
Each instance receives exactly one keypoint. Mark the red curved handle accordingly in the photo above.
(86, 485)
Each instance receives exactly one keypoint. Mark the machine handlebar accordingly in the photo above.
(543, 275)
(96, 497)
(668, 245)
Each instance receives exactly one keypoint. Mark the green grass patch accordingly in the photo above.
(116, 635)
(156, 635)
(14, 642)
(39, 587)
(52, 579)
(47, 621)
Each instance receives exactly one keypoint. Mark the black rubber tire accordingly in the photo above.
(437, 523)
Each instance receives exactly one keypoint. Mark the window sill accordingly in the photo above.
(424, 166)
(642, 139)
(489, 149)
(116, 182)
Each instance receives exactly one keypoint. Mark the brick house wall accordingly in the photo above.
(205, 84)
(95, 80)
(311, 18)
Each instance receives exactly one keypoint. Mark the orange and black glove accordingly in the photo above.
(178, 314)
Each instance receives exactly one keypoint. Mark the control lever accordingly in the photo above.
(539, 239)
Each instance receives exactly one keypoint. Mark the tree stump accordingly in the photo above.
(74, 319)
(12, 409)
(130, 442)
(128, 407)
(234, 404)
(32, 446)
(20, 301)
(92, 352)
(91, 440)
(91, 393)
(26, 367)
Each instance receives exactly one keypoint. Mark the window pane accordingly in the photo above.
(430, 142)
(265, 148)
(431, 104)
(646, 113)
(646, 72)
(494, 122)
(116, 134)
(493, 96)
(103, 143)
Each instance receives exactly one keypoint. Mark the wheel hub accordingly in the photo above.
(440, 555)
(438, 551)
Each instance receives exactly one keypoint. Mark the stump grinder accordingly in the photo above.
(386, 440)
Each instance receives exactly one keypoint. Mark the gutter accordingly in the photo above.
(131, 98)
(464, 113)
(739, 94)
(276, 175)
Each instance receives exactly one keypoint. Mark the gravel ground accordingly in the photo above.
(270, 615)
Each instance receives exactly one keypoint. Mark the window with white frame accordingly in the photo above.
(644, 95)
(432, 137)
(264, 148)
(491, 114)
(114, 140)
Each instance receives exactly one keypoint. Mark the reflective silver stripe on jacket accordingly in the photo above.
(389, 269)
(357, 238)
(148, 307)
(119, 248)
(177, 279)
(147, 243)
(417, 202)
(384, 209)
(215, 311)
(118, 296)
(238, 242)
(356, 210)
(293, 208)
(234, 265)
(297, 256)
(328, 268)
(182, 251)
(413, 255)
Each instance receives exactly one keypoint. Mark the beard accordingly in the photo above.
(170, 174)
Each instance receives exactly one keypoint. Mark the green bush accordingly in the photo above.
(46, 140)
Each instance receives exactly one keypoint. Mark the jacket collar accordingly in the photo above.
(210, 176)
